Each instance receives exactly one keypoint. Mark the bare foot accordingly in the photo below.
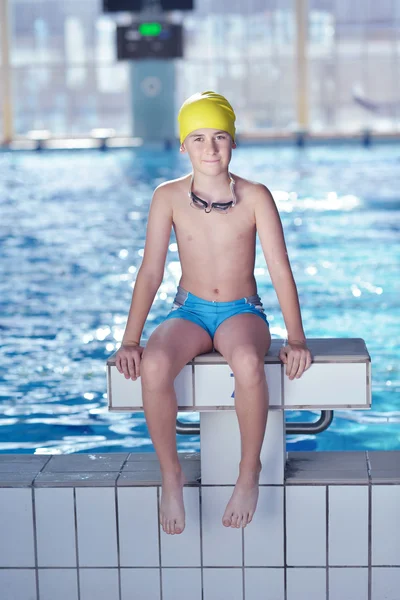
(242, 505)
(172, 510)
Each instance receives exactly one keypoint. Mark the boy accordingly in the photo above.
(216, 306)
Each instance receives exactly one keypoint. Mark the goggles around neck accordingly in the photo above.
(221, 207)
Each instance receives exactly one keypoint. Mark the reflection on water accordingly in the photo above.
(72, 234)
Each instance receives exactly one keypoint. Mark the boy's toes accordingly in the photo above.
(226, 520)
(234, 521)
(245, 520)
(179, 527)
(173, 527)
(240, 521)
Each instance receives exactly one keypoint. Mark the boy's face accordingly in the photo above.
(209, 150)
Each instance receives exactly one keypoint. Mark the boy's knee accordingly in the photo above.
(155, 366)
(247, 365)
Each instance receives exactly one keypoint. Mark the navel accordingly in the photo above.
(216, 291)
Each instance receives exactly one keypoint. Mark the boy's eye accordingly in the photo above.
(220, 136)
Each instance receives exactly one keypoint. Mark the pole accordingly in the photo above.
(301, 7)
(8, 132)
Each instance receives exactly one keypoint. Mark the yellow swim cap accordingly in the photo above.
(207, 109)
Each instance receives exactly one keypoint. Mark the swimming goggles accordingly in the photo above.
(221, 207)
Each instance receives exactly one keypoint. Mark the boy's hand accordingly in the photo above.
(297, 358)
(128, 361)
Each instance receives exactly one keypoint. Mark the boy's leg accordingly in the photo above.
(244, 340)
(170, 347)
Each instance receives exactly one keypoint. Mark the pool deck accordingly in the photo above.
(85, 526)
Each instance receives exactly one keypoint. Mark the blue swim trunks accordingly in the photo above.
(210, 314)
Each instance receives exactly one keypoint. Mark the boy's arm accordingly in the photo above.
(151, 271)
(270, 232)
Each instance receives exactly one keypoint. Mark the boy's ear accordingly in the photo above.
(182, 148)
(234, 145)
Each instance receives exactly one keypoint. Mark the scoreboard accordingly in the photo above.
(140, 5)
(151, 39)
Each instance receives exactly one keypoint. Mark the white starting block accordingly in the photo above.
(339, 378)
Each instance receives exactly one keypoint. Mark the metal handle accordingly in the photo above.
(314, 427)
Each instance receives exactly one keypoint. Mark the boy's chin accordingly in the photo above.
(211, 167)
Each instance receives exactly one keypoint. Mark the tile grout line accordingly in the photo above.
(159, 541)
(33, 496)
(369, 526)
(194, 387)
(118, 541)
(35, 549)
(284, 544)
(76, 544)
(201, 541)
(117, 524)
(243, 569)
(251, 567)
(327, 542)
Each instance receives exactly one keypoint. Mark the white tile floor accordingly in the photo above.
(138, 520)
(385, 525)
(96, 527)
(58, 583)
(348, 525)
(263, 542)
(80, 542)
(18, 531)
(348, 584)
(306, 543)
(140, 584)
(55, 520)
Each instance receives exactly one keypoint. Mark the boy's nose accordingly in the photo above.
(210, 148)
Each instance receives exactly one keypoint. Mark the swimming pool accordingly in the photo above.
(73, 229)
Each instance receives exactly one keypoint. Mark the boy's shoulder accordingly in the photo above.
(248, 183)
(172, 185)
(253, 189)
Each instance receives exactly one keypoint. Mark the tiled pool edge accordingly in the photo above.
(72, 522)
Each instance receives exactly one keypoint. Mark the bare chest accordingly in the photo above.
(214, 231)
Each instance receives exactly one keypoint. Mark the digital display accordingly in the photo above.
(150, 29)
(149, 40)
(139, 5)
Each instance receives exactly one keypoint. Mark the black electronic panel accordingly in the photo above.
(149, 40)
(177, 4)
(139, 5)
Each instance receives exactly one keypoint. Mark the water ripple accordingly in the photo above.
(72, 234)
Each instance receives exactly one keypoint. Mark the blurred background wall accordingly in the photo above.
(65, 77)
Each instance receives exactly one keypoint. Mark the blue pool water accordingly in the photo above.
(72, 233)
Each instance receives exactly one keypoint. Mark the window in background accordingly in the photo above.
(65, 74)
(66, 77)
(354, 54)
(244, 50)
(1, 95)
